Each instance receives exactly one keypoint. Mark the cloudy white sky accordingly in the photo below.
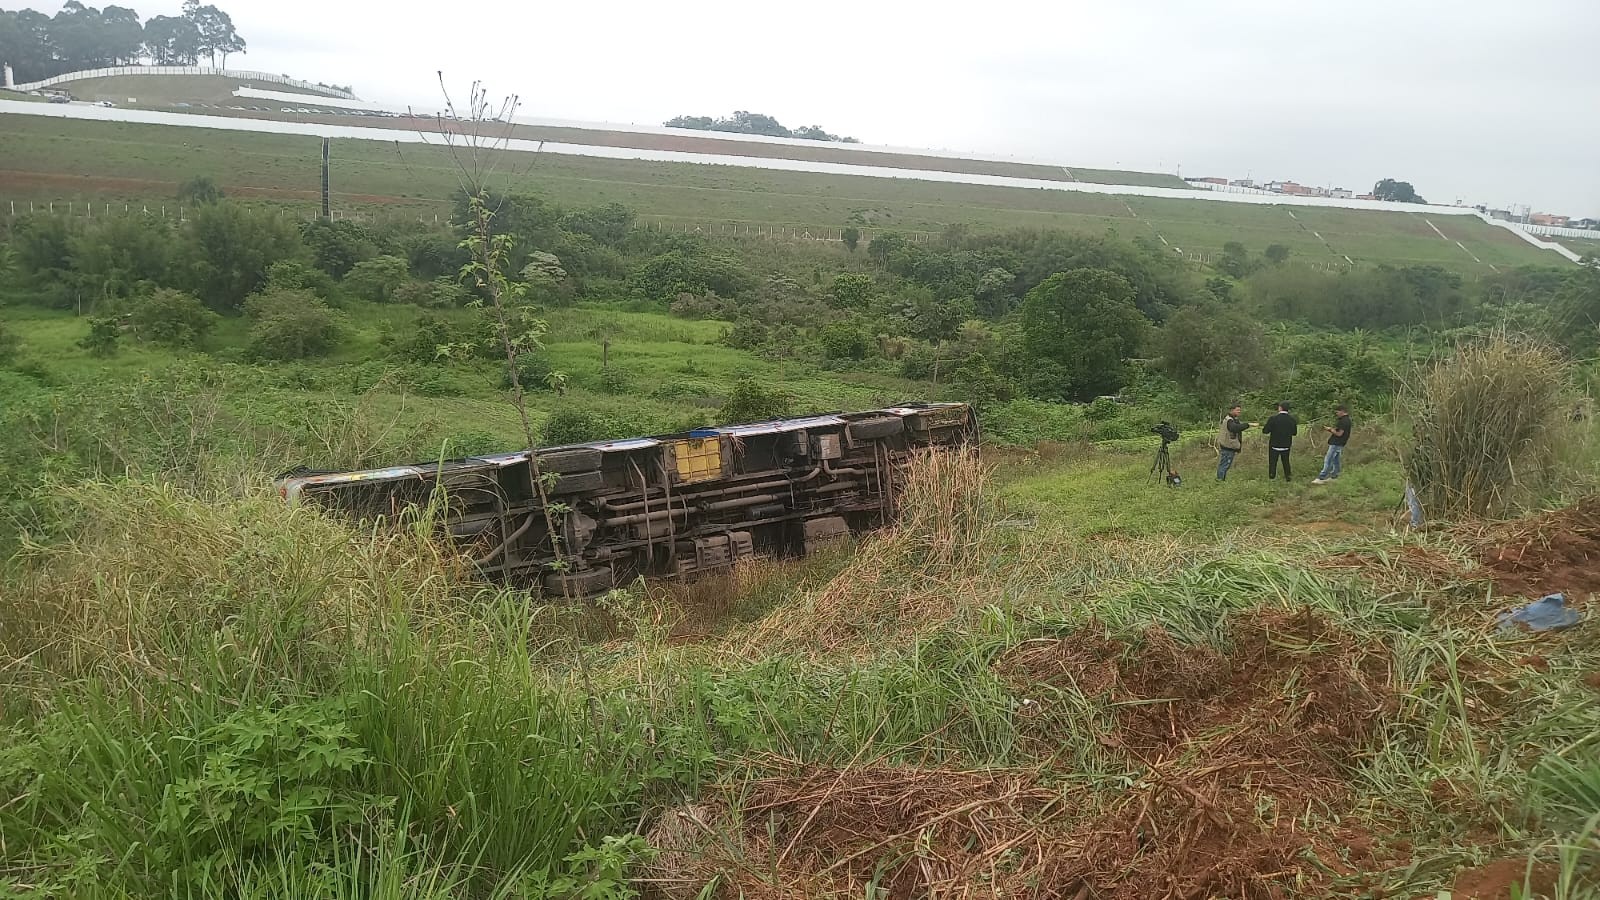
(1487, 101)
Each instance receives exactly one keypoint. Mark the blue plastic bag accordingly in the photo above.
(1548, 613)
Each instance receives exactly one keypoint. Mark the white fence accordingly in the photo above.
(1556, 231)
(182, 70)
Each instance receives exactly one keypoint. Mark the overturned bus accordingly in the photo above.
(674, 505)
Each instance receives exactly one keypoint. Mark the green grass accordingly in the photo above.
(109, 162)
(1090, 491)
(674, 372)
(1582, 246)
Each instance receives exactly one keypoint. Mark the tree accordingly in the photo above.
(290, 325)
(229, 249)
(1277, 254)
(199, 191)
(1214, 351)
(851, 237)
(124, 36)
(172, 41)
(1079, 328)
(1396, 191)
(216, 31)
(336, 247)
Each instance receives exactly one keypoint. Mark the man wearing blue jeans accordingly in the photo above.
(1338, 437)
(1229, 442)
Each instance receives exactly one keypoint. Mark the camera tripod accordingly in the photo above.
(1162, 467)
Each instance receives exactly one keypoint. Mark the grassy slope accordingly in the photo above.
(674, 371)
(165, 90)
(54, 160)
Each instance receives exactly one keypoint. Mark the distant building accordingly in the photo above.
(1212, 180)
(1590, 224)
(1366, 197)
(1550, 219)
(1242, 182)
(1504, 215)
(1342, 193)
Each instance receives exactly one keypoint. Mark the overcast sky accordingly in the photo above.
(1487, 101)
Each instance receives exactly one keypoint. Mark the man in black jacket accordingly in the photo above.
(1280, 431)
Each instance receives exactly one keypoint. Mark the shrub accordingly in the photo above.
(172, 319)
(842, 340)
(1486, 425)
(378, 279)
(615, 381)
(575, 425)
(1214, 351)
(293, 275)
(200, 191)
(290, 325)
(336, 247)
(1102, 409)
(103, 337)
(752, 401)
(534, 371)
(229, 249)
(9, 345)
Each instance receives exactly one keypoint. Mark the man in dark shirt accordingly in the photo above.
(1338, 437)
(1280, 431)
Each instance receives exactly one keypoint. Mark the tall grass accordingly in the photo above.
(1487, 425)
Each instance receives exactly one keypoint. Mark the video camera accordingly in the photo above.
(1168, 434)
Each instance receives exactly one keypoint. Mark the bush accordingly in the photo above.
(336, 247)
(1214, 351)
(575, 425)
(1102, 409)
(1486, 426)
(200, 191)
(229, 249)
(842, 340)
(378, 279)
(172, 319)
(103, 337)
(534, 372)
(423, 342)
(290, 325)
(615, 381)
(293, 275)
(752, 401)
(10, 344)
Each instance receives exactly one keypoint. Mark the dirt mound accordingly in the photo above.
(1554, 551)
(1494, 881)
(1238, 759)
(825, 832)
(1239, 752)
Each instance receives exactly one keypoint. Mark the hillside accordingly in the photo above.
(112, 163)
(159, 91)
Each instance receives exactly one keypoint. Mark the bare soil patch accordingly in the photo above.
(1240, 752)
(1494, 881)
(1546, 553)
(1239, 761)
